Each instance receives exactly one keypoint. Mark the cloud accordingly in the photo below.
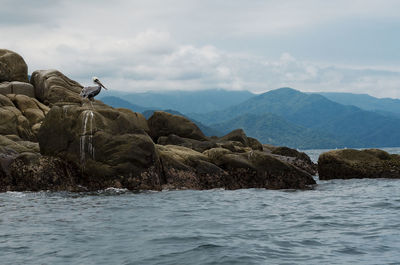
(179, 44)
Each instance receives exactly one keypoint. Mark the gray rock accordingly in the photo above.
(350, 163)
(199, 146)
(5, 88)
(12, 67)
(163, 124)
(51, 87)
(21, 115)
(16, 87)
(110, 146)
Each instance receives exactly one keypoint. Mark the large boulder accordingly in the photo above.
(12, 67)
(163, 124)
(350, 163)
(21, 115)
(51, 87)
(110, 146)
(12, 121)
(184, 168)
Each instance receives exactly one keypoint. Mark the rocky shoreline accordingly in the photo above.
(52, 139)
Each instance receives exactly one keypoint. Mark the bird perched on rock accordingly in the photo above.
(91, 91)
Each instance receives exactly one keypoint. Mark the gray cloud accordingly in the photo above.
(21, 13)
(150, 45)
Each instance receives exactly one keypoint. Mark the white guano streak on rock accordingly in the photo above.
(86, 140)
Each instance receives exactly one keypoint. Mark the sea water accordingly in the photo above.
(338, 222)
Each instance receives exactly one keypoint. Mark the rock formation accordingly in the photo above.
(21, 116)
(292, 156)
(12, 67)
(51, 87)
(350, 163)
(163, 124)
(89, 145)
(16, 87)
(110, 145)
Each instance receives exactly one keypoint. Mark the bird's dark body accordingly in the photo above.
(91, 91)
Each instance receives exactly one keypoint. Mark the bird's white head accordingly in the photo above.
(97, 81)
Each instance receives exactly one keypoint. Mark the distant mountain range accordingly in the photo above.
(184, 101)
(364, 101)
(289, 117)
(385, 106)
(344, 125)
(117, 102)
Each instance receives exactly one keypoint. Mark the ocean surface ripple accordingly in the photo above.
(339, 222)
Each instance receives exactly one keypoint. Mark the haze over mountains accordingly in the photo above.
(386, 106)
(185, 101)
(284, 116)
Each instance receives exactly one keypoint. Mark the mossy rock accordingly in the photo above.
(351, 163)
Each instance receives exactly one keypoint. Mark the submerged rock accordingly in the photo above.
(350, 163)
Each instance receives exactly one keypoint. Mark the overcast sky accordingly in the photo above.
(310, 45)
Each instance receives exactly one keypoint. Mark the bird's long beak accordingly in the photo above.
(101, 85)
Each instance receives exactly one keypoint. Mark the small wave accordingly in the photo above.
(17, 194)
(113, 190)
(381, 205)
(351, 251)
